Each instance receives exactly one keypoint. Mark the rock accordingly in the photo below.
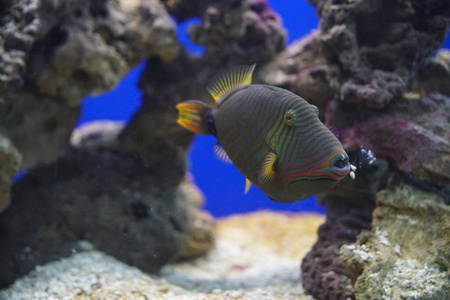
(39, 127)
(95, 45)
(419, 124)
(54, 53)
(9, 166)
(19, 29)
(113, 199)
(302, 69)
(230, 271)
(69, 49)
(350, 206)
(239, 32)
(372, 48)
(200, 234)
(433, 75)
(405, 256)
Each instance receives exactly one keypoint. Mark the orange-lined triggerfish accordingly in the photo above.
(273, 136)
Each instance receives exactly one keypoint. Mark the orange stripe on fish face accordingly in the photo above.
(310, 170)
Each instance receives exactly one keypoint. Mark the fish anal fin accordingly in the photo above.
(267, 171)
(190, 116)
(221, 154)
(230, 79)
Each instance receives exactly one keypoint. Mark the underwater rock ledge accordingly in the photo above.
(54, 53)
(10, 160)
(230, 271)
(112, 199)
(406, 254)
(372, 47)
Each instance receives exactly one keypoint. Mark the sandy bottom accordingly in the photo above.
(257, 256)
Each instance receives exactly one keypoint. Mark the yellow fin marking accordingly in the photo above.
(221, 154)
(189, 116)
(228, 80)
(267, 172)
(248, 184)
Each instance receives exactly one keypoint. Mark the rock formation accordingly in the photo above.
(124, 189)
(372, 69)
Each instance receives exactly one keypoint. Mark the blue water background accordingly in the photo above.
(222, 184)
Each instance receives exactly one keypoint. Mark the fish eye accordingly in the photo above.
(289, 117)
(341, 163)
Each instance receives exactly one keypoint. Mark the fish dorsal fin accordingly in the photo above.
(248, 184)
(267, 171)
(221, 154)
(230, 79)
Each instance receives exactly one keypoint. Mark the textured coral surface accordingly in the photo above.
(406, 255)
(372, 47)
(372, 69)
(124, 188)
(350, 208)
(98, 193)
(247, 263)
(10, 160)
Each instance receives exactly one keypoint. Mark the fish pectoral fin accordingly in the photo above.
(333, 130)
(190, 116)
(228, 80)
(267, 170)
(221, 154)
(248, 184)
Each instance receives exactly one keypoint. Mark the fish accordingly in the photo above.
(273, 136)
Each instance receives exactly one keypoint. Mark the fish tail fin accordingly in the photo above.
(190, 116)
(228, 80)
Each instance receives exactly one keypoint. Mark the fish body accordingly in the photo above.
(272, 136)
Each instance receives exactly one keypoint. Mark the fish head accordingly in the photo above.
(314, 180)
(311, 160)
(321, 179)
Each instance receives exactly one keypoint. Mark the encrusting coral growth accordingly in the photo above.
(221, 274)
(114, 200)
(89, 189)
(365, 58)
(10, 160)
(371, 65)
(393, 261)
(372, 69)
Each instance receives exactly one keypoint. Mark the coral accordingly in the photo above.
(9, 165)
(373, 47)
(405, 256)
(233, 31)
(98, 193)
(40, 127)
(375, 52)
(350, 207)
(302, 69)
(68, 49)
(95, 45)
(240, 32)
(433, 74)
(19, 29)
(124, 188)
(54, 53)
(57, 52)
(200, 234)
(419, 124)
(222, 274)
